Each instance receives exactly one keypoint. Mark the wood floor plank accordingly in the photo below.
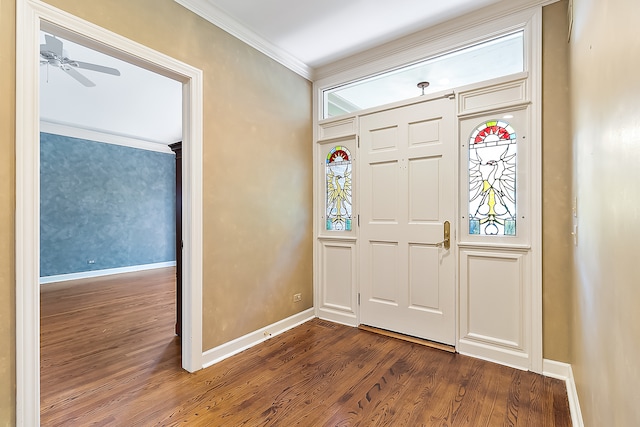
(110, 358)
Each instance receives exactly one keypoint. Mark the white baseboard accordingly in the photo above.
(106, 272)
(230, 348)
(563, 371)
(343, 318)
(494, 353)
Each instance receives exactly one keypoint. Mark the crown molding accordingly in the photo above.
(216, 16)
(74, 131)
(432, 34)
(219, 18)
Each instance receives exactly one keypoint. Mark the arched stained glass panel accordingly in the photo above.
(338, 187)
(492, 179)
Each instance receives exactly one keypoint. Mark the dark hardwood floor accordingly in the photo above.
(110, 358)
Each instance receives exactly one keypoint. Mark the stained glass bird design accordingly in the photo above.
(492, 189)
(339, 196)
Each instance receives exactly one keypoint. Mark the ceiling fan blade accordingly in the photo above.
(95, 67)
(53, 45)
(79, 77)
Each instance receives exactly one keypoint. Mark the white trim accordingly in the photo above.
(244, 342)
(27, 219)
(73, 131)
(535, 191)
(352, 324)
(563, 371)
(105, 272)
(574, 402)
(555, 369)
(404, 50)
(222, 20)
(192, 218)
(443, 38)
(337, 316)
(517, 15)
(493, 353)
(30, 16)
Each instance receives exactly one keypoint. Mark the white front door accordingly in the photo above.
(407, 276)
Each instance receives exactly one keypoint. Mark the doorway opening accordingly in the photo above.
(31, 17)
(107, 229)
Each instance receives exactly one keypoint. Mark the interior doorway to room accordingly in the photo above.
(126, 186)
(407, 200)
(111, 203)
(31, 17)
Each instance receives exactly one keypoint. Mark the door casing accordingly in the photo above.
(31, 16)
(338, 295)
(342, 307)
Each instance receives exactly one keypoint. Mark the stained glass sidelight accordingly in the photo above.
(338, 177)
(492, 179)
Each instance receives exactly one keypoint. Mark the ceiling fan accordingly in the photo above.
(52, 54)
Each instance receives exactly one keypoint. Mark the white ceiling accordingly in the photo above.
(320, 32)
(137, 104)
(144, 105)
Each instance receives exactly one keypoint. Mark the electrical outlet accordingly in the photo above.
(91, 261)
(297, 297)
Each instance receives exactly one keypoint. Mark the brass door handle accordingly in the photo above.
(446, 243)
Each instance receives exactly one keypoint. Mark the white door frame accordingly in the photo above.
(460, 32)
(30, 15)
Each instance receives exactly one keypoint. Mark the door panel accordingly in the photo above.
(407, 279)
(424, 178)
(385, 260)
(423, 263)
(424, 132)
(383, 138)
(384, 200)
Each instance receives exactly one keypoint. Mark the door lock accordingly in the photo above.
(446, 243)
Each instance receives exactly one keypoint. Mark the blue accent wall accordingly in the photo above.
(111, 204)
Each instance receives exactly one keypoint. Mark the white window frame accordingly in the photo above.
(475, 47)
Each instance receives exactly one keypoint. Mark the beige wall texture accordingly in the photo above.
(557, 242)
(7, 205)
(605, 101)
(257, 180)
(257, 175)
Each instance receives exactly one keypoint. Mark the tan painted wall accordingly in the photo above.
(257, 150)
(557, 242)
(257, 161)
(7, 205)
(257, 175)
(605, 59)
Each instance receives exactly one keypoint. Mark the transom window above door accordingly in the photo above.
(490, 59)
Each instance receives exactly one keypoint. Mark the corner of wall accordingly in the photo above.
(556, 185)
